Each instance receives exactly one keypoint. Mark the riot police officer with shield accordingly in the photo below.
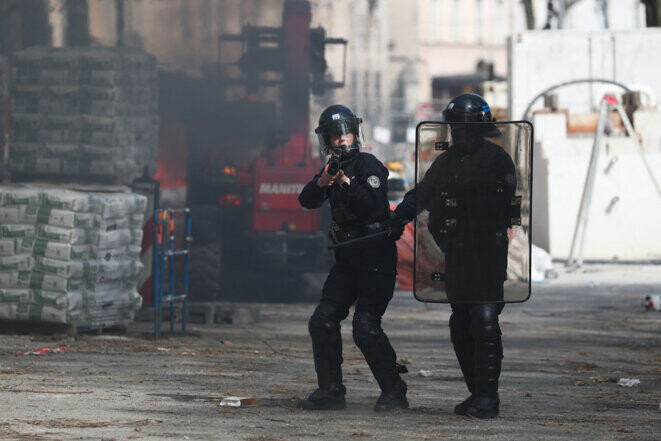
(355, 184)
(468, 192)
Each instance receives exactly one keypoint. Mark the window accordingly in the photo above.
(456, 24)
(479, 22)
(500, 22)
(434, 21)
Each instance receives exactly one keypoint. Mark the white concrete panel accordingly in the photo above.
(637, 60)
(648, 125)
(601, 66)
(540, 59)
(629, 229)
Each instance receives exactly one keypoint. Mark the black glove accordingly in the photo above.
(396, 226)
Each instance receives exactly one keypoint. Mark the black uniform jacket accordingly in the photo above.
(468, 191)
(364, 201)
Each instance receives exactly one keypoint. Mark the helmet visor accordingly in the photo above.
(339, 137)
(454, 116)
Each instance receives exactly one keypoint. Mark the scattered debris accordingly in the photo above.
(653, 302)
(225, 342)
(595, 380)
(425, 373)
(355, 371)
(239, 402)
(43, 351)
(628, 382)
(603, 380)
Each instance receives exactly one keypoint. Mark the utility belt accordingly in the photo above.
(339, 234)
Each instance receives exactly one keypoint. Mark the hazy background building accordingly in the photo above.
(404, 59)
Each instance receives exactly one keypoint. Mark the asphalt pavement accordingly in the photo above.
(565, 351)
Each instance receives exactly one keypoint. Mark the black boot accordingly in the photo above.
(488, 358)
(393, 399)
(381, 358)
(461, 408)
(483, 407)
(324, 329)
(464, 348)
(331, 398)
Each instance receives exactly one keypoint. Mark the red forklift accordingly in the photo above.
(249, 155)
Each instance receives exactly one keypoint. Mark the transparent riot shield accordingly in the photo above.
(473, 197)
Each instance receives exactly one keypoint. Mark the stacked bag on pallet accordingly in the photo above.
(87, 114)
(4, 106)
(70, 256)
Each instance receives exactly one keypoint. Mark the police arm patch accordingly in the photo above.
(374, 181)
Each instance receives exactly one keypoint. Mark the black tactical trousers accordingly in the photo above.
(476, 337)
(364, 276)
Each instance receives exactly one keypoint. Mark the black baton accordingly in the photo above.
(358, 239)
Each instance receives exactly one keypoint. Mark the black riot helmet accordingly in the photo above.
(337, 121)
(470, 108)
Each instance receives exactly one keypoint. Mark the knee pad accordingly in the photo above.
(484, 321)
(486, 330)
(325, 320)
(459, 327)
(366, 328)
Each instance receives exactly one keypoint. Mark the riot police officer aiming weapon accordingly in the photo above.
(355, 184)
(340, 138)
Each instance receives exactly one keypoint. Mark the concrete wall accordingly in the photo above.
(626, 206)
(539, 60)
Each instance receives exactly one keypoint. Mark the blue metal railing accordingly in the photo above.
(164, 252)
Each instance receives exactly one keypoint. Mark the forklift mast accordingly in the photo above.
(292, 58)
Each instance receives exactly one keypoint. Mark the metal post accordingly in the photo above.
(161, 272)
(164, 254)
(156, 281)
(170, 224)
(604, 10)
(562, 9)
(632, 134)
(586, 198)
(186, 267)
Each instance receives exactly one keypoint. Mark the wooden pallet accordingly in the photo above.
(24, 327)
(111, 329)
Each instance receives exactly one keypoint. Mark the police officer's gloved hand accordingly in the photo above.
(396, 226)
